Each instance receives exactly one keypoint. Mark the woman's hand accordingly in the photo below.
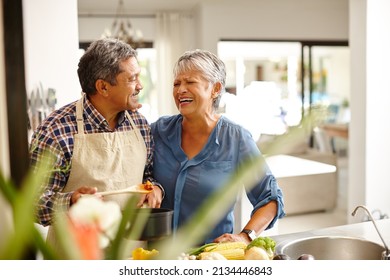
(229, 237)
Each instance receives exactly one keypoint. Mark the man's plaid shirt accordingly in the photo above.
(55, 134)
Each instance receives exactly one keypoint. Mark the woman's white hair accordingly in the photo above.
(211, 67)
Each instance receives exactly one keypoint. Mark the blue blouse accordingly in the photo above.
(187, 183)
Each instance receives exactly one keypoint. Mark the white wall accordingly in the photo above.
(249, 19)
(51, 47)
(277, 19)
(370, 99)
(378, 101)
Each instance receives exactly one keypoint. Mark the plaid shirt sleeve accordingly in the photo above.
(45, 148)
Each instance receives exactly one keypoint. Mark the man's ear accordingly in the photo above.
(101, 87)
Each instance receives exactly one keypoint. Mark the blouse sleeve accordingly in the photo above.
(267, 188)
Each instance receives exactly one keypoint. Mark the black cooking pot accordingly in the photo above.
(158, 224)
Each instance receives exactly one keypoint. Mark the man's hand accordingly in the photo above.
(152, 199)
(80, 191)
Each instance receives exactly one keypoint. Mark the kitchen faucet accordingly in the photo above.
(386, 253)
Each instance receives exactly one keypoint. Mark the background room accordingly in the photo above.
(284, 58)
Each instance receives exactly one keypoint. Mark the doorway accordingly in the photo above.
(274, 84)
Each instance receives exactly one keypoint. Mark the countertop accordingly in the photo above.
(365, 230)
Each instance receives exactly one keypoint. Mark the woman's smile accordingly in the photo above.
(185, 100)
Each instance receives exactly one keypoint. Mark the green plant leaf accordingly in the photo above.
(129, 230)
(47, 251)
(66, 245)
(7, 189)
(23, 201)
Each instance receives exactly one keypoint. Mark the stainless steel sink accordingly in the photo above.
(332, 248)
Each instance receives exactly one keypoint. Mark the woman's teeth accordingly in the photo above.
(185, 100)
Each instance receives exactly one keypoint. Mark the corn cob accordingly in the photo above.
(229, 254)
(211, 256)
(225, 246)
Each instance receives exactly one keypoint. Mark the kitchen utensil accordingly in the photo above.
(158, 224)
(132, 189)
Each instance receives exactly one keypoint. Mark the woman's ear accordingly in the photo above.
(101, 87)
(216, 89)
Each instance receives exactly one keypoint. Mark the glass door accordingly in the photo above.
(326, 91)
(272, 85)
(262, 84)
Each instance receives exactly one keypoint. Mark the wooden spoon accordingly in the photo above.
(140, 188)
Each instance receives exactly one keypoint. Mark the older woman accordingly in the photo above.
(197, 150)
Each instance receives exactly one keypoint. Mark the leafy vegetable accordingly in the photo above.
(267, 243)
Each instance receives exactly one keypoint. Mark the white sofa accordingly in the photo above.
(307, 191)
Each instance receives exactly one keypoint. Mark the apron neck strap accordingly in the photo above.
(80, 121)
(132, 123)
(79, 116)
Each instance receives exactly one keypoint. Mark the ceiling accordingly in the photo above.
(136, 6)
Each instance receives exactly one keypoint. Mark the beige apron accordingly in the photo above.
(107, 161)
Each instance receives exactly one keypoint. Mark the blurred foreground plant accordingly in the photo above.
(92, 229)
(22, 201)
(80, 240)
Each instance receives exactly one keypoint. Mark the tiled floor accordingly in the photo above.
(297, 223)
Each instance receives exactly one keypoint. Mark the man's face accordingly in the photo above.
(124, 95)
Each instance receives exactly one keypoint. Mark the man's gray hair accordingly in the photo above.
(102, 61)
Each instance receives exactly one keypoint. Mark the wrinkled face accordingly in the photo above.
(193, 94)
(124, 95)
